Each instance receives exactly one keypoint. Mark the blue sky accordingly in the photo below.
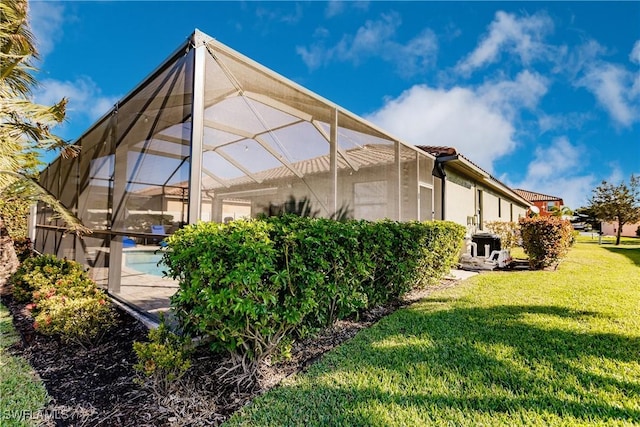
(545, 96)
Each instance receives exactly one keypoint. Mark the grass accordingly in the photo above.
(22, 394)
(503, 348)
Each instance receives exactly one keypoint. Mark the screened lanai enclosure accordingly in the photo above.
(211, 135)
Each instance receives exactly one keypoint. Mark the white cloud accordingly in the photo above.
(613, 87)
(458, 117)
(554, 161)
(480, 122)
(337, 7)
(522, 37)
(369, 38)
(314, 56)
(278, 15)
(376, 38)
(634, 56)
(563, 122)
(334, 8)
(46, 20)
(635, 89)
(580, 57)
(557, 171)
(85, 97)
(616, 89)
(509, 96)
(616, 176)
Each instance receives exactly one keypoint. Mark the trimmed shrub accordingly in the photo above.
(163, 360)
(63, 300)
(406, 255)
(248, 286)
(324, 256)
(39, 272)
(508, 231)
(81, 320)
(231, 293)
(546, 240)
(440, 243)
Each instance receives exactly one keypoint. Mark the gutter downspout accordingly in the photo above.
(439, 172)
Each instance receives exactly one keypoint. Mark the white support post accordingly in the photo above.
(333, 160)
(118, 203)
(397, 199)
(197, 130)
(31, 225)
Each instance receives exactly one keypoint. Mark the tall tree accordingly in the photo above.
(617, 203)
(25, 126)
(587, 216)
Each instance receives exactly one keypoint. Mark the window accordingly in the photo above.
(499, 207)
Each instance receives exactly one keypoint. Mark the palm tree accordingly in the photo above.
(561, 211)
(25, 127)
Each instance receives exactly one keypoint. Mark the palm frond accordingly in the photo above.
(28, 189)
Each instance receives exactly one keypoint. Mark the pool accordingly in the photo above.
(144, 262)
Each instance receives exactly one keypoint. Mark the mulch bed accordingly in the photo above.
(98, 387)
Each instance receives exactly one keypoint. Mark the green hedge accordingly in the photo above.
(231, 291)
(249, 286)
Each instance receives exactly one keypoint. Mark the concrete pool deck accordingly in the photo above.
(143, 294)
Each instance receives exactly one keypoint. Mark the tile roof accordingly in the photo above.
(536, 197)
(441, 151)
(438, 150)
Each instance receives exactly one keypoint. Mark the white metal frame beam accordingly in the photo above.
(197, 132)
(343, 153)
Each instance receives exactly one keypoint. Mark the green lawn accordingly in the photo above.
(506, 348)
(22, 394)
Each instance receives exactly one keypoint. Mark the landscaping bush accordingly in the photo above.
(363, 263)
(39, 272)
(231, 294)
(545, 240)
(508, 231)
(324, 256)
(441, 244)
(82, 320)
(407, 255)
(394, 260)
(163, 360)
(248, 286)
(63, 300)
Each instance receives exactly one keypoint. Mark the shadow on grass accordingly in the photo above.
(493, 361)
(633, 253)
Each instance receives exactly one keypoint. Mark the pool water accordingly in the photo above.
(144, 262)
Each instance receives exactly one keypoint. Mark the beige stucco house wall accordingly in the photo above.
(628, 230)
(472, 196)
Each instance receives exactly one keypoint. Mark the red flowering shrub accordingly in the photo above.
(82, 320)
(545, 240)
(40, 272)
(63, 299)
